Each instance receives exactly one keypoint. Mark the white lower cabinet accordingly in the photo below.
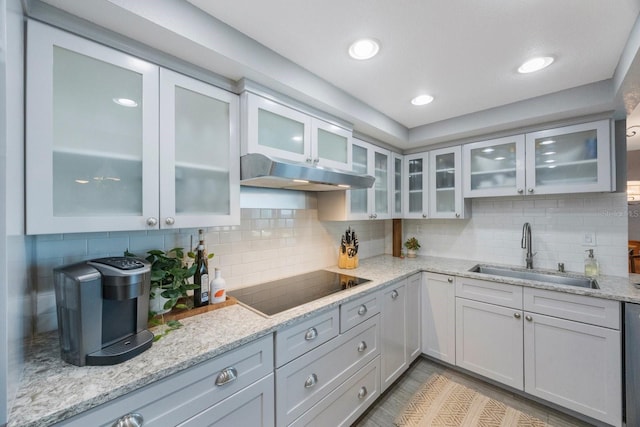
(560, 347)
(227, 390)
(400, 328)
(489, 341)
(439, 317)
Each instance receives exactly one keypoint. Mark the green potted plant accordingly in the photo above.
(412, 246)
(169, 279)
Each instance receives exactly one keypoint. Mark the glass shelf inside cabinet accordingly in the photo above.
(567, 159)
(493, 167)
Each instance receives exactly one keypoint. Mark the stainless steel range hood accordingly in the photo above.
(258, 170)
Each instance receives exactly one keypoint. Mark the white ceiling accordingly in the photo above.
(463, 52)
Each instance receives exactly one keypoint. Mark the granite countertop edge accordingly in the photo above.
(52, 390)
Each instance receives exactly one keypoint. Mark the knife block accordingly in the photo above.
(346, 261)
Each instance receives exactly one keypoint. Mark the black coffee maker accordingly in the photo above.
(102, 308)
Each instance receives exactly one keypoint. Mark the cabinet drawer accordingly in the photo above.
(581, 308)
(347, 402)
(252, 406)
(297, 339)
(490, 292)
(179, 397)
(303, 382)
(359, 310)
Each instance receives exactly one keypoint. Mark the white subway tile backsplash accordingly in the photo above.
(107, 245)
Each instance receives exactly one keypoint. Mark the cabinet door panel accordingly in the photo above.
(199, 140)
(415, 186)
(489, 341)
(92, 136)
(332, 145)
(398, 196)
(574, 365)
(412, 314)
(439, 317)
(393, 333)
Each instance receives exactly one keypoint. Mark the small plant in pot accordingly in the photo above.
(412, 246)
(169, 279)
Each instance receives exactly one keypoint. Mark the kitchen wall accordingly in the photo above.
(558, 223)
(269, 243)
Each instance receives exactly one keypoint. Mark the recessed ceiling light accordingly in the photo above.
(535, 64)
(422, 100)
(125, 102)
(364, 49)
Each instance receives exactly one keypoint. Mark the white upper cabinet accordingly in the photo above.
(362, 203)
(570, 159)
(199, 166)
(445, 186)
(95, 158)
(278, 131)
(397, 195)
(415, 185)
(494, 167)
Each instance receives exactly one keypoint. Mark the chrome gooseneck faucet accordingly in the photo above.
(526, 243)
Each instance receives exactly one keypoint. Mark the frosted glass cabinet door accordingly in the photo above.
(381, 163)
(569, 159)
(331, 145)
(494, 167)
(276, 130)
(415, 185)
(199, 173)
(92, 136)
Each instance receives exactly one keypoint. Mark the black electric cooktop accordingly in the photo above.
(279, 295)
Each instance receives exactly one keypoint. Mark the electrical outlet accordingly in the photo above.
(589, 238)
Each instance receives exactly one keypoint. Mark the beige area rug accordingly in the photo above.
(443, 402)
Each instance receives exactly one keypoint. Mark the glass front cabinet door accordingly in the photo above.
(494, 168)
(92, 136)
(445, 188)
(569, 159)
(416, 200)
(371, 203)
(397, 198)
(199, 170)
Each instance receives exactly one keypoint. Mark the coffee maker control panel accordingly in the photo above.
(122, 263)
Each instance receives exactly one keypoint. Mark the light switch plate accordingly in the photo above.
(589, 238)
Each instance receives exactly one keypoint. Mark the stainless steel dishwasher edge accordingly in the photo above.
(632, 362)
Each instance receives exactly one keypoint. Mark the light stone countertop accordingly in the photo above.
(52, 390)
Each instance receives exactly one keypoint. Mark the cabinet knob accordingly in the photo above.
(129, 420)
(152, 222)
(450, 279)
(362, 310)
(530, 190)
(362, 393)
(362, 346)
(394, 294)
(516, 315)
(227, 375)
(309, 159)
(457, 215)
(312, 334)
(529, 318)
(520, 191)
(311, 381)
(375, 216)
(316, 161)
(424, 215)
(170, 220)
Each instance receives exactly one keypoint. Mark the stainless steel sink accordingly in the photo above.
(540, 276)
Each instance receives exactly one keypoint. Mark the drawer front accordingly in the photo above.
(252, 406)
(581, 308)
(303, 382)
(359, 310)
(298, 339)
(490, 292)
(347, 402)
(174, 399)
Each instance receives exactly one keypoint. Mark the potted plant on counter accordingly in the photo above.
(412, 246)
(169, 279)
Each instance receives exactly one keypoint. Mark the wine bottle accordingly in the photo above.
(201, 276)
